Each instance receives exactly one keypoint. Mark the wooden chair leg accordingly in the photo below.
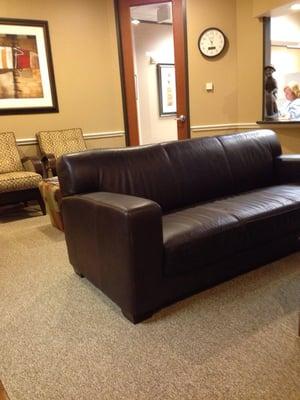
(41, 203)
(43, 207)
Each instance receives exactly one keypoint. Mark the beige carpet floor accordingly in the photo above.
(60, 338)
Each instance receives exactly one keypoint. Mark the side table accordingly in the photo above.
(50, 192)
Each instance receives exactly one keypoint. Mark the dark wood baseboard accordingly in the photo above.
(3, 394)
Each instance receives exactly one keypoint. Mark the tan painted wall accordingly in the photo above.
(239, 71)
(107, 142)
(89, 89)
(219, 106)
(249, 63)
(84, 48)
(263, 7)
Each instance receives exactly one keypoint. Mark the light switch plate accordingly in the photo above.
(209, 86)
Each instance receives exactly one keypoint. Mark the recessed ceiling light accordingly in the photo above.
(295, 6)
(135, 21)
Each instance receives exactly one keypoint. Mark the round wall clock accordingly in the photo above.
(211, 42)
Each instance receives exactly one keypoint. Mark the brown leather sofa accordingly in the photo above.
(152, 224)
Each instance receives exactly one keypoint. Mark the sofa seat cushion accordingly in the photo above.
(13, 181)
(206, 233)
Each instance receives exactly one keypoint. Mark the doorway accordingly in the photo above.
(154, 70)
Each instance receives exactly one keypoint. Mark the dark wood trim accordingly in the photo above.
(267, 40)
(181, 67)
(186, 58)
(266, 57)
(49, 161)
(127, 66)
(36, 163)
(278, 122)
(3, 394)
(122, 73)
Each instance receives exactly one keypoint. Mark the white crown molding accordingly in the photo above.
(224, 127)
(87, 136)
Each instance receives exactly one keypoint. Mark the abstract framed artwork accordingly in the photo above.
(27, 82)
(166, 89)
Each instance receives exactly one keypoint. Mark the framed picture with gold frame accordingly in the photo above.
(27, 83)
(166, 89)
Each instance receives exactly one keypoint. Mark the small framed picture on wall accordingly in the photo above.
(166, 89)
(27, 82)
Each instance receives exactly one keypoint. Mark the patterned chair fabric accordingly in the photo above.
(61, 142)
(10, 160)
(17, 184)
(20, 180)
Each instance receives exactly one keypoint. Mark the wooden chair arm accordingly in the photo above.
(49, 161)
(34, 164)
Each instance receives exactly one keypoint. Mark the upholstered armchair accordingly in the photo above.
(53, 144)
(19, 178)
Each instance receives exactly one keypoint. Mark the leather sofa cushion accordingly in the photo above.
(201, 168)
(251, 158)
(206, 233)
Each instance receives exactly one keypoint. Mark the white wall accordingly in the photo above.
(287, 63)
(155, 39)
(285, 30)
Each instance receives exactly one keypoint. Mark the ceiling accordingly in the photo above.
(285, 30)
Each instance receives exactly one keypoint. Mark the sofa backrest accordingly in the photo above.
(175, 174)
(251, 156)
(144, 171)
(201, 168)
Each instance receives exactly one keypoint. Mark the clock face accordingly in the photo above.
(211, 42)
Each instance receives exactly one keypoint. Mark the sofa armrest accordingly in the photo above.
(288, 168)
(116, 241)
(33, 164)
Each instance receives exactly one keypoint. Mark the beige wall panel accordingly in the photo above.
(204, 133)
(250, 63)
(97, 143)
(219, 106)
(29, 150)
(263, 7)
(220, 131)
(289, 139)
(288, 136)
(109, 142)
(84, 49)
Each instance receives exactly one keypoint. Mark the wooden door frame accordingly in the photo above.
(125, 48)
